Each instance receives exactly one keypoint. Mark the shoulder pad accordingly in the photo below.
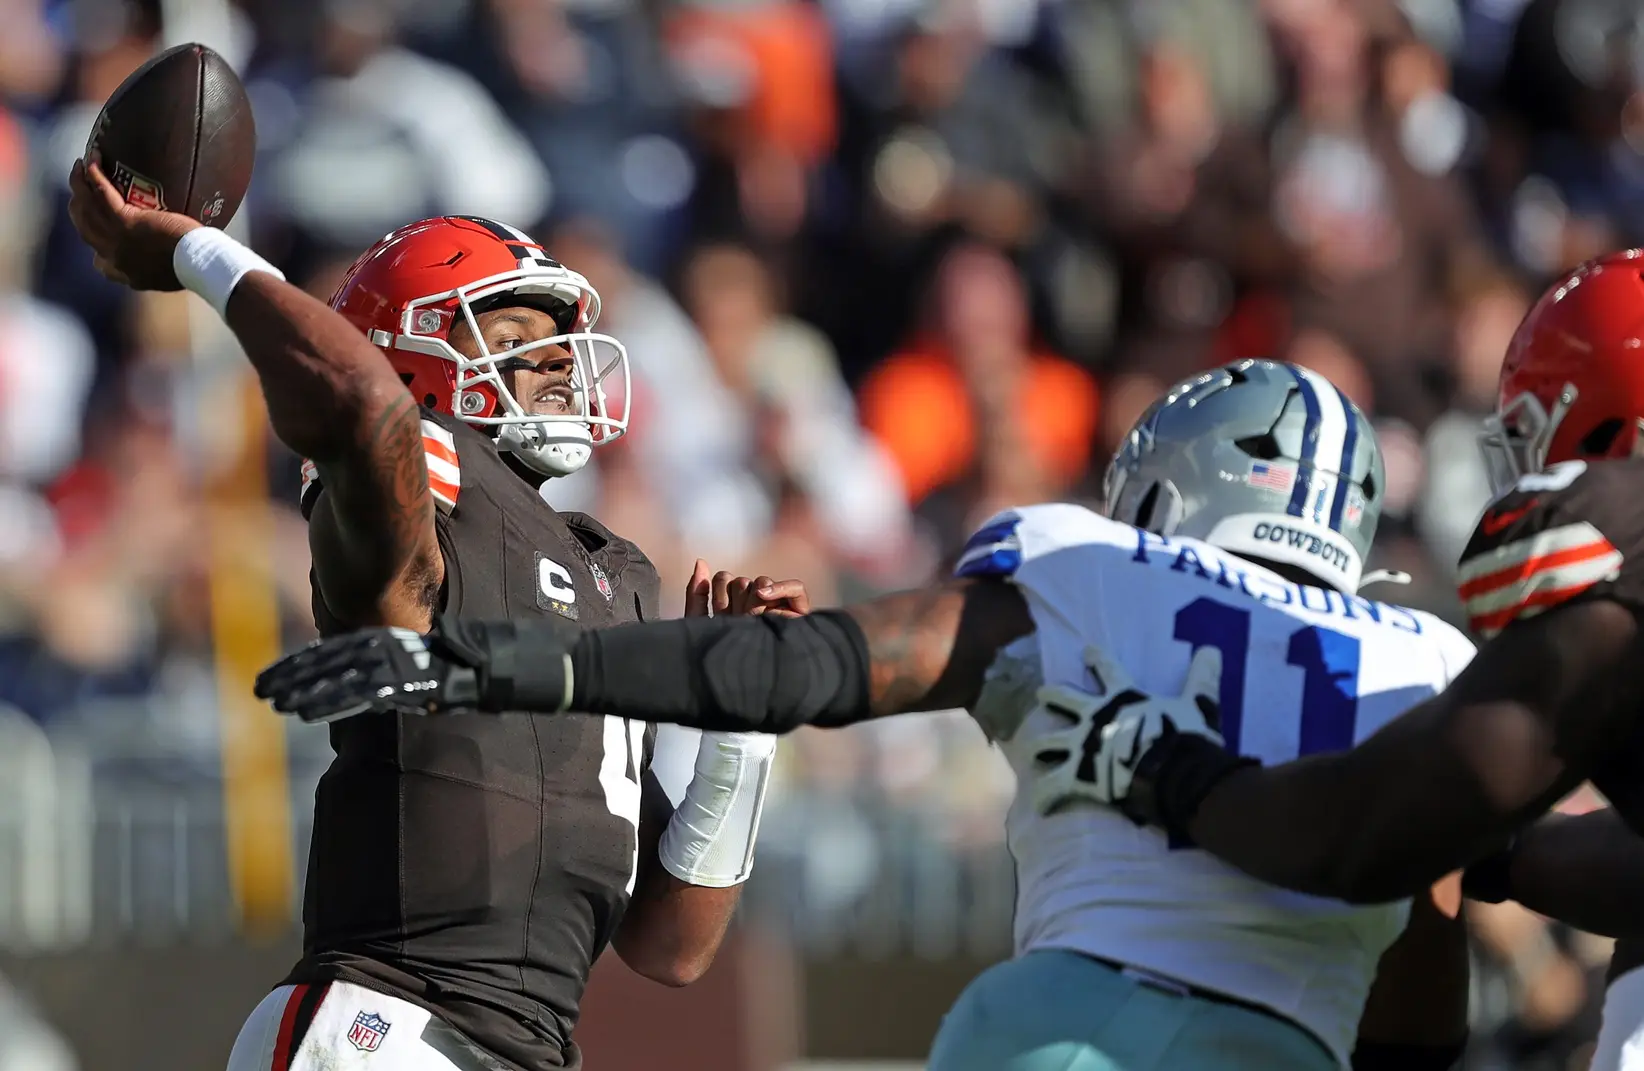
(995, 549)
(1007, 540)
(1574, 531)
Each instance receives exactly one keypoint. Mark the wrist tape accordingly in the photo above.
(211, 264)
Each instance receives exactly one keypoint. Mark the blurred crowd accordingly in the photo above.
(883, 267)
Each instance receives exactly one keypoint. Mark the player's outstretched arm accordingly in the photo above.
(926, 649)
(1586, 870)
(332, 397)
(1445, 784)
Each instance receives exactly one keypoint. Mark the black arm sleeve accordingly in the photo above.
(735, 674)
(1380, 1056)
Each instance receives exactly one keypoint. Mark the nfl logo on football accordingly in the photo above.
(368, 1031)
(139, 191)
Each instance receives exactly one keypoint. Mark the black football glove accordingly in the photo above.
(457, 667)
(1173, 776)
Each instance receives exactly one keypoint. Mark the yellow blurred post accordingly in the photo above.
(245, 627)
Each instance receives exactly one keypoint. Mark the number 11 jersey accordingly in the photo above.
(1304, 670)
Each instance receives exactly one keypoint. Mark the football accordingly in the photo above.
(178, 135)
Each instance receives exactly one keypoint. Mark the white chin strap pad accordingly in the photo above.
(710, 839)
(559, 456)
(1307, 545)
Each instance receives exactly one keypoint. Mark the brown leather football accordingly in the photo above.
(178, 135)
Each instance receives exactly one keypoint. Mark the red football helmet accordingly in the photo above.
(408, 291)
(1572, 384)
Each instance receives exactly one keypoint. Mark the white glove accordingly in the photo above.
(1094, 758)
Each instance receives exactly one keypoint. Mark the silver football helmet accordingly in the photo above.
(1261, 458)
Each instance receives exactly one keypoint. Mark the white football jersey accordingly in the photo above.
(1304, 670)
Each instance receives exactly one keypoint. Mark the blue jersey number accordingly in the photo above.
(1330, 685)
(1329, 660)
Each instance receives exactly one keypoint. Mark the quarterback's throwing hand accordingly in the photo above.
(130, 245)
(1108, 732)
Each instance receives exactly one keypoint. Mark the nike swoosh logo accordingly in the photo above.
(1495, 521)
(1130, 761)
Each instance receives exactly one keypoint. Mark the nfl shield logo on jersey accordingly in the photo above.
(600, 581)
(368, 1031)
(1354, 513)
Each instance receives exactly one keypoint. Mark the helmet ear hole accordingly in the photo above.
(1597, 443)
(1160, 509)
(1150, 502)
(430, 402)
(1261, 447)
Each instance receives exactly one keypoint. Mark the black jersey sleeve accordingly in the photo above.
(1573, 532)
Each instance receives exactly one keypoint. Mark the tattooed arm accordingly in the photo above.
(917, 650)
(333, 397)
(928, 649)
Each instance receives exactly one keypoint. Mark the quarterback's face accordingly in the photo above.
(540, 380)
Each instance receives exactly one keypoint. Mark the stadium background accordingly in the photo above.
(883, 267)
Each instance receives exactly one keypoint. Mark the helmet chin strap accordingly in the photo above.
(1384, 576)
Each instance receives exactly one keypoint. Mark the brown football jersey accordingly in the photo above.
(478, 866)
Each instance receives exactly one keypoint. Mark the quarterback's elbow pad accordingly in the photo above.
(731, 674)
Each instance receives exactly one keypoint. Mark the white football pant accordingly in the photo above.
(1621, 1037)
(335, 1027)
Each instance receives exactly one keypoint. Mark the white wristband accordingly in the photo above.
(211, 264)
(710, 839)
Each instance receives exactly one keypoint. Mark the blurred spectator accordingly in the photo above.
(956, 134)
(1379, 241)
(109, 39)
(1458, 487)
(588, 83)
(758, 80)
(786, 429)
(360, 134)
(976, 417)
(48, 364)
(1107, 42)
